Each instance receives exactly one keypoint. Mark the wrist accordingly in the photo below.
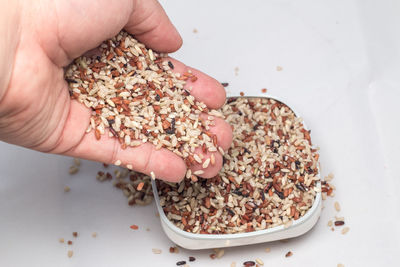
(9, 32)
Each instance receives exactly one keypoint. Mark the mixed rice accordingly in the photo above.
(135, 95)
(270, 175)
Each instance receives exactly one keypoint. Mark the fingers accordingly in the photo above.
(205, 89)
(144, 158)
(151, 25)
(214, 165)
(165, 164)
(208, 90)
(222, 130)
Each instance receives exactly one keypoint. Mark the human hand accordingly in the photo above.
(35, 108)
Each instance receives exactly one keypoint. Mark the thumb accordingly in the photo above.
(83, 25)
(151, 25)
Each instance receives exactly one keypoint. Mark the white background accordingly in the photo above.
(341, 67)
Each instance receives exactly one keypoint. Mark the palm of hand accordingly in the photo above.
(38, 111)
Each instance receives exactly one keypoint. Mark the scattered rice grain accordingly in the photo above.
(337, 206)
(156, 250)
(219, 253)
(70, 253)
(77, 162)
(259, 261)
(73, 169)
(134, 227)
(345, 230)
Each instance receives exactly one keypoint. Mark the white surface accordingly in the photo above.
(341, 69)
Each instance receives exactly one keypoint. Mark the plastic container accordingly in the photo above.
(204, 241)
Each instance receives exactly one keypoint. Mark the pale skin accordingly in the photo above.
(42, 37)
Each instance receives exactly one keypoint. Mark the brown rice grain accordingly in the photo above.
(259, 261)
(212, 159)
(337, 206)
(345, 230)
(73, 170)
(288, 254)
(70, 253)
(156, 251)
(77, 162)
(219, 253)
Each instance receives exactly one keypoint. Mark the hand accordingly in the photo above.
(35, 108)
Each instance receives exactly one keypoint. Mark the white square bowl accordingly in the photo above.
(204, 241)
